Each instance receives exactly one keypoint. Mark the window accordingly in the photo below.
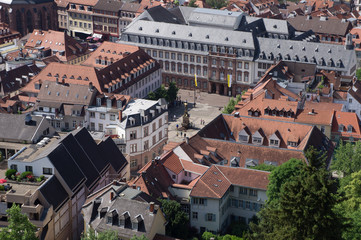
(210, 217)
(167, 55)
(100, 127)
(160, 54)
(102, 116)
(109, 220)
(243, 191)
(154, 127)
(253, 192)
(349, 128)
(239, 65)
(92, 114)
(133, 135)
(74, 123)
(192, 58)
(204, 60)
(29, 168)
(133, 148)
(195, 215)
(350, 100)
(173, 56)
(248, 205)
(154, 140)
(146, 145)
(199, 201)
(14, 166)
(133, 163)
(323, 129)
(160, 135)
(146, 131)
(47, 171)
(246, 65)
(198, 59)
(186, 57)
(274, 142)
(231, 188)
(257, 140)
(112, 117)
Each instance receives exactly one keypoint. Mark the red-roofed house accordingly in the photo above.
(346, 127)
(227, 194)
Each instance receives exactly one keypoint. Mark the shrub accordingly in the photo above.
(38, 179)
(9, 173)
(2, 188)
(30, 178)
(42, 177)
(25, 174)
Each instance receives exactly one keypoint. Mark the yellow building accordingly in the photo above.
(80, 17)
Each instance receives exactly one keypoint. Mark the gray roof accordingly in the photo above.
(13, 127)
(66, 93)
(215, 18)
(308, 49)
(182, 13)
(194, 34)
(108, 5)
(326, 26)
(135, 208)
(276, 26)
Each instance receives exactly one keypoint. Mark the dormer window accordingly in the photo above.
(243, 136)
(292, 144)
(340, 128)
(257, 140)
(273, 142)
(266, 111)
(349, 128)
(250, 112)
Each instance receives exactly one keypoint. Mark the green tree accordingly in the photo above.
(177, 219)
(230, 106)
(107, 235)
(280, 176)
(192, 3)
(216, 3)
(172, 92)
(19, 228)
(358, 74)
(264, 167)
(139, 238)
(347, 158)
(305, 207)
(350, 207)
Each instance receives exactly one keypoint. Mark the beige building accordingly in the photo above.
(80, 15)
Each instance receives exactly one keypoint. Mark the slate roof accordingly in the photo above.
(134, 208)
(310, 50)
(355, 91)
(67, 168)
(53, 192)
(113, 155)
(81, 159)
(196, 34)
(215, 18)
(13, 127)
(8, 81)
(160, 14)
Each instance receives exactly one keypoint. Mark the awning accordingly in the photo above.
(96, 35)
(89, 38)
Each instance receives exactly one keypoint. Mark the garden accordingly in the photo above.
(13, 175)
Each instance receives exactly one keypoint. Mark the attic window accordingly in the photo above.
(303, 49)
(349, 128)
(79, 78)
(102, 50)
(316, 50)
(278, 46)
(49, 75)
(56, 75)
(291, 47)
(207, 36)
(329, 50)
(226, 39)
(173, 33)
(274, 26)
(190, 35)
(292, 144)
(72, 77)
(64, 76)
(140, 28)
(157, 30)
(340, 128)
(244, 40)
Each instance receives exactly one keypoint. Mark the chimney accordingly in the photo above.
(313, 110)
(57, 80)
(187, 140)
(111, 196)
(63, 81)
(151, 207)
(120, 113)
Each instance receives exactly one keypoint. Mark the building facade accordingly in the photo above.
(141, 124)
(222, 196)
(190, 45)
(80, 18)
(25, 17)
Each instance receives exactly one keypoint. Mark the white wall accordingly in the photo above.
(37, 165)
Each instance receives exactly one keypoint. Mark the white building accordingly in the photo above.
(353, 101)
(224, 195)
(141, 125)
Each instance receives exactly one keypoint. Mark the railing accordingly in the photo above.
(31, 209)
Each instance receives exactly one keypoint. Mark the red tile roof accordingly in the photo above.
(216, 181)
(346, 119)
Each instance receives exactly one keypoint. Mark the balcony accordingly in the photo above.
(45, 217)
(31, 209)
